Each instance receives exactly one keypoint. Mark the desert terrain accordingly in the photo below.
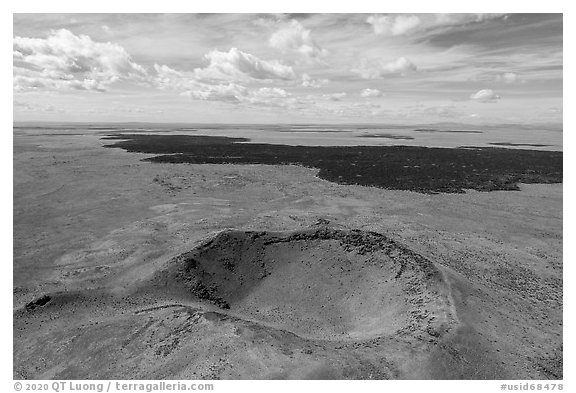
(125, 268)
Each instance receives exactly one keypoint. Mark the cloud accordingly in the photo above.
(508, 77)
(307, 81)
(378, 69)
(28, 80)
(555, 110)
(24, 105)
(236, 94)
(271, 97)
(443, 111)
(394, 25)
(236, 65)
(167, 78)
(485, 95)
(271, 92)
(500, 77)
(334, 96)
(460, 19)
(64, 60)
(33, 107)
(294, 37)
(403, 25)
(357, 110)
(366, 93)
(231, 92)
(401, 65)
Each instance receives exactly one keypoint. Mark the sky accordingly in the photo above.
(288, 68)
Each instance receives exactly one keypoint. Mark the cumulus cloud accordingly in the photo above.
(64, 60)
(378, 69)
(307, 81)
(271, 97)
(236, 94)
(271, 92)
(401, 65)
(231, 92)
(294, 37)
(485, 95)
(236, 65)
(30, 80)
(394, 25)
(508, 77)
(366, 93)
(169, 78)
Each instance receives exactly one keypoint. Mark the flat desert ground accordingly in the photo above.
(131, 269)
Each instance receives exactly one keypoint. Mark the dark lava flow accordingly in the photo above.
(413, 168)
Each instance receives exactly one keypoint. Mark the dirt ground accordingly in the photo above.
(93, 228)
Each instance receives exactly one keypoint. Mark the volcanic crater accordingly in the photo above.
(319, 283)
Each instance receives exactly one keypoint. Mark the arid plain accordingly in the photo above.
(132, 269)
